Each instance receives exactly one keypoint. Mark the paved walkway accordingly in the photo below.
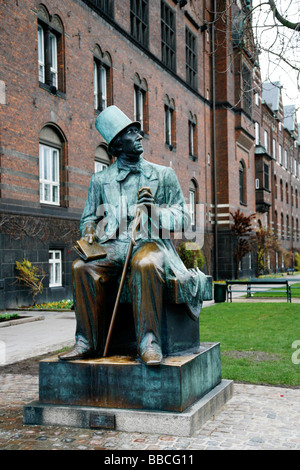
(257, 417)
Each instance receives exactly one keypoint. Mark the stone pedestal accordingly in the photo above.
(121, 393)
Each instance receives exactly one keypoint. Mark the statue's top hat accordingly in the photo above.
(111, 122)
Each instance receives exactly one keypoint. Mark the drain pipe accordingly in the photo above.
(214, 142)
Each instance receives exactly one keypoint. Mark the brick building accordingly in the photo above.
(63, 62)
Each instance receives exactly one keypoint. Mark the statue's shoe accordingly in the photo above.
(77, 352)
(151, 357)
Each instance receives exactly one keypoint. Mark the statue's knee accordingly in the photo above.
(145, 261)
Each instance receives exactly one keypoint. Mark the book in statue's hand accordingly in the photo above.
(89, 251)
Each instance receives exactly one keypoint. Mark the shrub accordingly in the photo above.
(191, 255)
(30, 276)
(297, 262)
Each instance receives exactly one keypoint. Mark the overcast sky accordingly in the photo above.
(283, 41)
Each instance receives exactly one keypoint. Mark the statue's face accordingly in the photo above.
(131, 142)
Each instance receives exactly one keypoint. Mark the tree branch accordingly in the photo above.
(281, 19)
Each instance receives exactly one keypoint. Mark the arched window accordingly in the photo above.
(102, 159)
(170, 122)
(141, 102)
(193, 201)
(282, 225)
(102, 79)
(50, 51)
(275, 186)
(51, 153)
(275, 226)
(242, 182)
(193, 137)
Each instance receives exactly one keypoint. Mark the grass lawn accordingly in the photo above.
(256, 341)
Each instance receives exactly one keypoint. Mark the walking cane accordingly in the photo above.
(135, 225)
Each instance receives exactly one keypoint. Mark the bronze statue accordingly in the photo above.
(129, 187)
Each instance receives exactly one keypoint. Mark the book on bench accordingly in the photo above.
(89, 251)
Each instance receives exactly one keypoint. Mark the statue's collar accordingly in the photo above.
(125, 167)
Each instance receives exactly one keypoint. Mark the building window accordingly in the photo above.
(274, 149)
(266, 177)
(247, 89)
(50, 51)
(275, 223)
(242, 182)
(49, 174)
(105, 6)
(191, 58)
(285, 159)
(169, 121)
(102, 80)
(282, 225)
(168, 36)
(280, 154)
(281, 190)
(141, 103)
(286, 193)
(102, 159)
(275, 187)
(266, 140)
(192, 136)
(192, 201)
(52, 166)
(55, 268)
(257, 139)
(139, 21)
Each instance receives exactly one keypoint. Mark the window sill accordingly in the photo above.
(52, 90)
(170, 147)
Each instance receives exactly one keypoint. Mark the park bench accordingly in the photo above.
(290, 270)
(259, 285)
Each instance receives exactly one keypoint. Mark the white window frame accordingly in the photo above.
(139, 99)
(100, 166)
(41, 54)
(280, 154)
(55, 268)
(191, 138)
(257, 131)
(100, 76)
(274, 149)
(285, 159)
(168, 125)
(53, 59)
(49, 158)
(266, 140)
(192, 196)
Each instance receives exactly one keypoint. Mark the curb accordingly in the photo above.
(20, 320)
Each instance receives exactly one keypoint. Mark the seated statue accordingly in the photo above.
(114, 197)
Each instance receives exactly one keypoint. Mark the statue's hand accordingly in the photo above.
(89, 237)
(145, 197)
